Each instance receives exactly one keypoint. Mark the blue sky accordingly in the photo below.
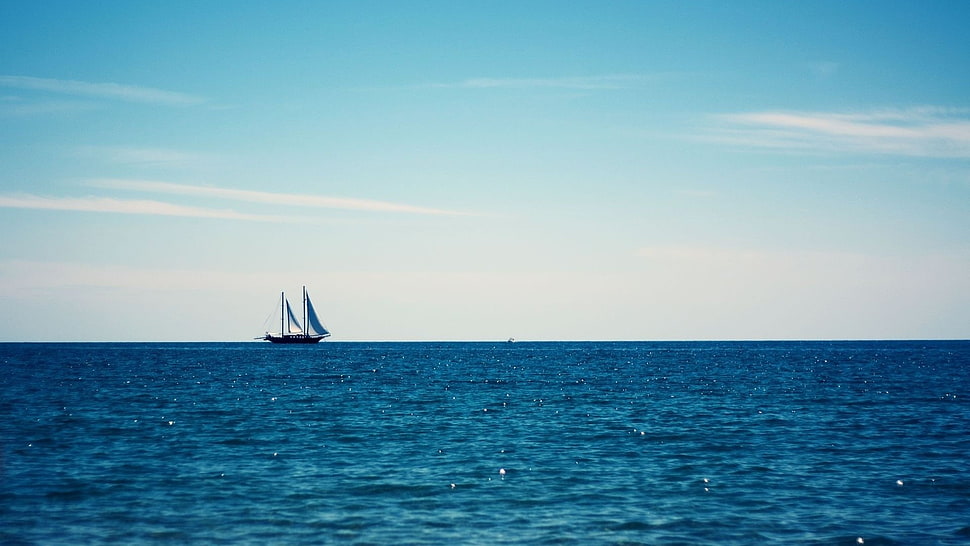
(480, 170)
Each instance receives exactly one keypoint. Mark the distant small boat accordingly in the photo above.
(291, 330)
(511, 340)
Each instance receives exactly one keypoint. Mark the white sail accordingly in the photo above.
(290, 328)
(293, 325)
(313, 322)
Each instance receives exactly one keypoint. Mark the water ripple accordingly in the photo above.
(528, 443)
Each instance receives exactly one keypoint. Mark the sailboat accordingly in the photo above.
(291, 330)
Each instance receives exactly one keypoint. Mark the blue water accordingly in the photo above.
(480, 443)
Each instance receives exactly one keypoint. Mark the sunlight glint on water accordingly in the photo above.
(533, 443)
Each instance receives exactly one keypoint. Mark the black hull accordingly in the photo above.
(300, 340)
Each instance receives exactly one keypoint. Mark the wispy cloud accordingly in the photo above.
(163, 208)
(609, 81)
(289, 199)
(102, 90)
(128, 206)
(922, 132)
(18, 106)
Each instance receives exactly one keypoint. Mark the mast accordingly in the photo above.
(306, 325)
(283, 317)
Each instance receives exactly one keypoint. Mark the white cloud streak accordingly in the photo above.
(163, 208)
(128, 206)
(102, 90)
(18, 106)
(918, 132)
(289, 199)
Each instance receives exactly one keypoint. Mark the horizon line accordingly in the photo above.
(526, 341)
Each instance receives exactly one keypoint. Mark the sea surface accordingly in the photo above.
(485, 443)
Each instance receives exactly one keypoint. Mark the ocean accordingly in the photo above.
(485, 443)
